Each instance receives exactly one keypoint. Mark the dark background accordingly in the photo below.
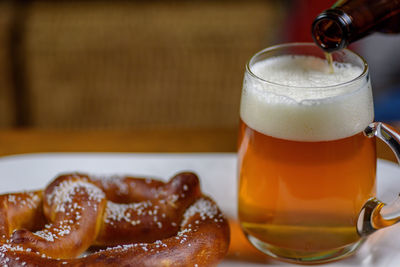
(150, 64)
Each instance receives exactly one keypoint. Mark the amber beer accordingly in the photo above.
(305, 167)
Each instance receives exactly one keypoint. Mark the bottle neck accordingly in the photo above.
(331, 30)
(348, 21)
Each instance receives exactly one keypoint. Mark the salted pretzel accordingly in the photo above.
(148, 223)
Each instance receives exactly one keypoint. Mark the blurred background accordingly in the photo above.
(153, 64)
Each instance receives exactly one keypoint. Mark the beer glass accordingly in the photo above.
(306, 156)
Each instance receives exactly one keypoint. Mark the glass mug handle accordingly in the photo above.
(375, 214)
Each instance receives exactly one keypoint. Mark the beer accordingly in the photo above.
(350, 20)
(305, 167)
(304, 196)
(329, 59)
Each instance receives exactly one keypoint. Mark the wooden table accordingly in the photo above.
(161, 140)
(164, 140)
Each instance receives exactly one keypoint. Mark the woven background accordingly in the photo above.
(140, 64)
(6, 94)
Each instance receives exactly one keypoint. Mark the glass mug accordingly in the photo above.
(307, 159)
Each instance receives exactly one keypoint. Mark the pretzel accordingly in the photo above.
(20, 210)
(148, 223)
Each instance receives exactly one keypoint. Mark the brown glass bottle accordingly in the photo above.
(350, 20)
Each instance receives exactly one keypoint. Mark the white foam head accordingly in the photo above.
(297, 98)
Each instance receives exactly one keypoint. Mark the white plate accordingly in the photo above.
(217, 172)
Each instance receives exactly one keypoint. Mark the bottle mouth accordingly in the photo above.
(330, 30)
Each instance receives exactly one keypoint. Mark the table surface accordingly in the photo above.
(19, 141)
